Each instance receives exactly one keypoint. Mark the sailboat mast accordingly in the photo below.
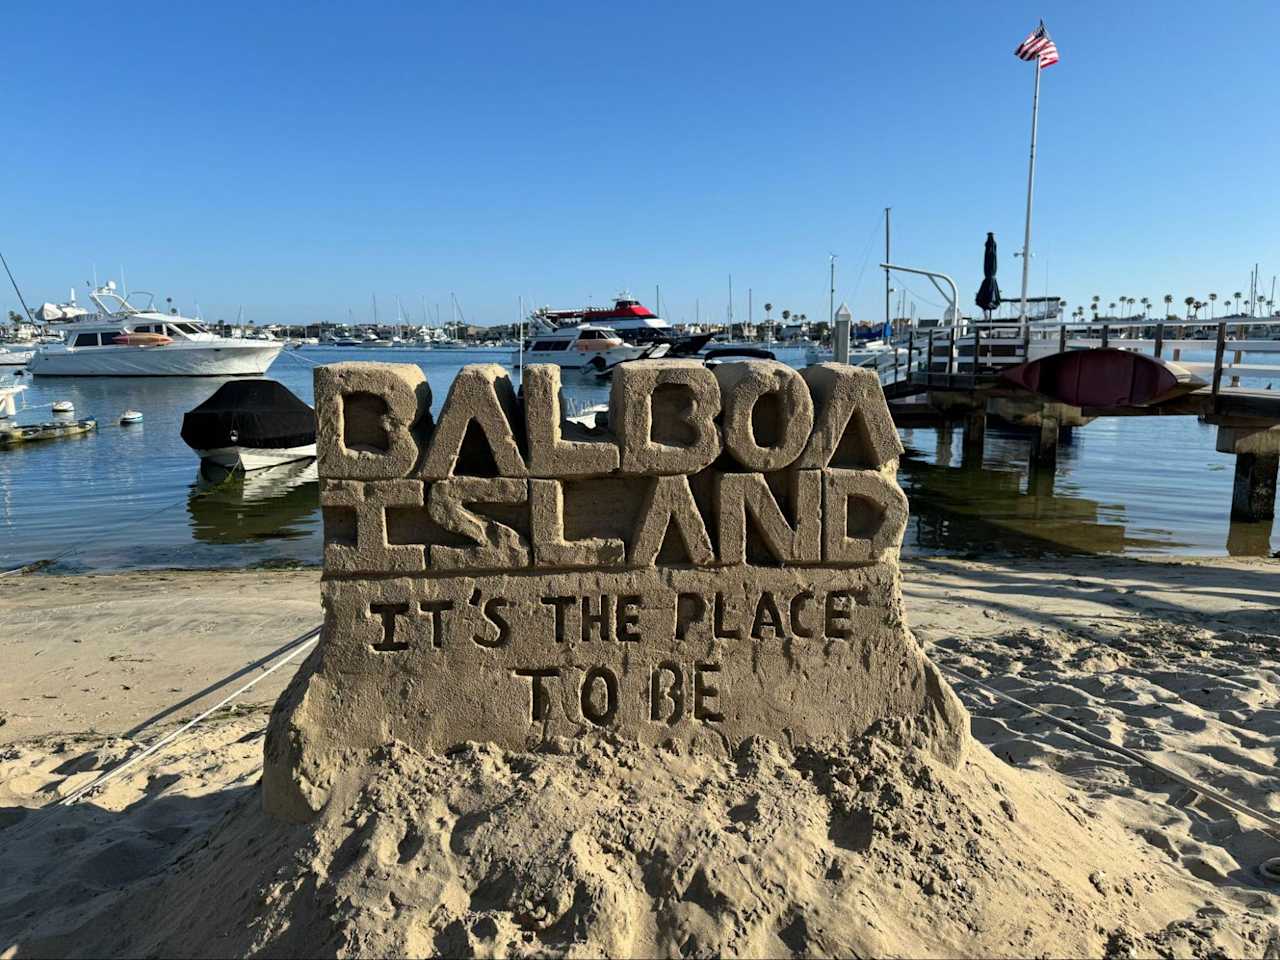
(831, 301)
(886, 260)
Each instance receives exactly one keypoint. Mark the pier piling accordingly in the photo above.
(1254, 495)
(1257, 452)
(975, 435)
(1044, 446)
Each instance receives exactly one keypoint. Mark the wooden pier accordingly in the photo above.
(1060, 375)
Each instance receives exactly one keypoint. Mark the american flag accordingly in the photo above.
(1038, 46)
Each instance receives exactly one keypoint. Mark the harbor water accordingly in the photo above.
(134, 496)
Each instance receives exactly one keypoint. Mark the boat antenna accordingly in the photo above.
(21, 300)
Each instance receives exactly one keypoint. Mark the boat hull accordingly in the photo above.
(180, 359)
(581, 360)
(257, 458)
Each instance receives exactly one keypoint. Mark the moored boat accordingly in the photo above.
(122, 340)
(15, 435)
(250, 424)
(632, 321)
(584, 347)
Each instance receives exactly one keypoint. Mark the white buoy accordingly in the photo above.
(64, 406)
(130, 416)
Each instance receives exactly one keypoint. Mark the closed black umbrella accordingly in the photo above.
(988, 297)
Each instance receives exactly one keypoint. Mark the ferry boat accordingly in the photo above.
(586, 347)
(633, 322)
(122, 340)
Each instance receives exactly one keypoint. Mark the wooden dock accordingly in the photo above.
(1082, 371)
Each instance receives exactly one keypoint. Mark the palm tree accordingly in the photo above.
(1112, 307)
(1168, 303)
(1190, 302)
(1146, 307)
(1236, 297)
(1212, 297)
(1094, 307)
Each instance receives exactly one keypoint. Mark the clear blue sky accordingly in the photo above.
(296, 158)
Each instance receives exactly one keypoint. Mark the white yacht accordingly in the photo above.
(122, 340)
(584, 347)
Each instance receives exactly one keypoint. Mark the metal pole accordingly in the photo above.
(1217, 359)
(1031, 181)
(831, 301)
(887, 259)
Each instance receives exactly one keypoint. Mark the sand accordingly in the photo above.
(1036, 845)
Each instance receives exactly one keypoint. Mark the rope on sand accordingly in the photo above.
(305, 642)
(1271, 823)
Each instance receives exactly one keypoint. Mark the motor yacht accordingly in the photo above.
(584, 347)
(122, 340)
(629, 319)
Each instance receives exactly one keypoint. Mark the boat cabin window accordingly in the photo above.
(187, 327)
(86, 340)
(550, 345)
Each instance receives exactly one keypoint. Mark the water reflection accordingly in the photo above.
(276, 503)
(1249, 539)
(1005, 505)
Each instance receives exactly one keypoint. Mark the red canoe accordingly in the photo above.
(1104, 377)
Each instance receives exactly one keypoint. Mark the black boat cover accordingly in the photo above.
(250, 413)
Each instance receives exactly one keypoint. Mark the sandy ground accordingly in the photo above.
(1039, 844)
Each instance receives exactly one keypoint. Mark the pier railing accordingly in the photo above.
(975, 352)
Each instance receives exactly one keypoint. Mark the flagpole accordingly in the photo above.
(1031, 180)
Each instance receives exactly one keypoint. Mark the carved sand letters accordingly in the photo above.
(714, 559)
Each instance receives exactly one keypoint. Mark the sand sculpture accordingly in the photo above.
(716, 559)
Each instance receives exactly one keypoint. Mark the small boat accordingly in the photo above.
(14, 436)
(250, 424)
(10, 357)
(1104, 378)
(711, 358)
(585, 348)
(130, 416)
(64, 406)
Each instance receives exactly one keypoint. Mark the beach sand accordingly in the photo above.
(1038, 844)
